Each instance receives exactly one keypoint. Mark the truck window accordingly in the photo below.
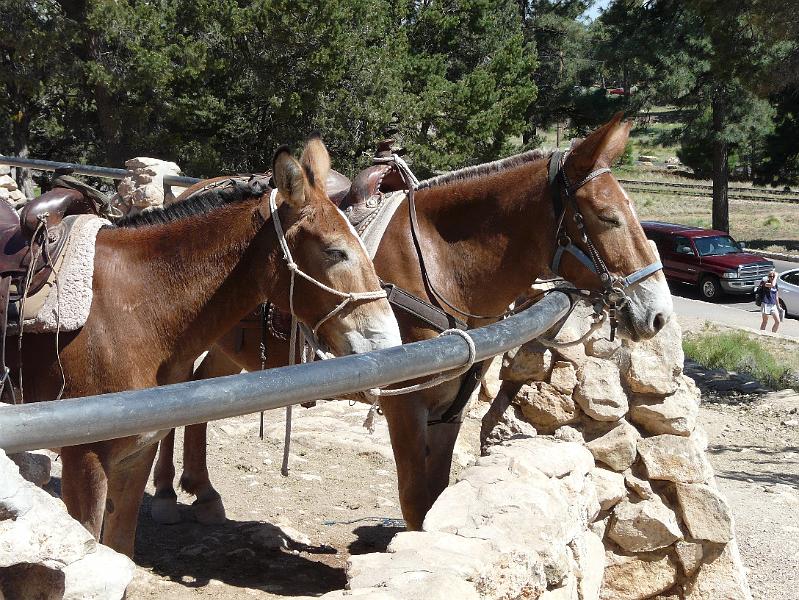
(682, 245)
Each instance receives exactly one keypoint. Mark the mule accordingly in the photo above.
(167, 283)
(487, 233)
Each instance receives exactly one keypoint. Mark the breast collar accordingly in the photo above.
(613, 295)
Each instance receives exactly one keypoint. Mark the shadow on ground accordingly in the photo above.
(763, 465)
(247, 554)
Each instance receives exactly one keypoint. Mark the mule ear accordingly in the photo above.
(604, 146)
(289, 177)
(316, 161)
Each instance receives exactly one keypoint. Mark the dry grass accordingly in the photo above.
(762, 225)
(769, 360)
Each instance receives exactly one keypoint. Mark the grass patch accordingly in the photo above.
(743, 353)
(772, 221)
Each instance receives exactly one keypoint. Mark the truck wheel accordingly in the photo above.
(709, 288)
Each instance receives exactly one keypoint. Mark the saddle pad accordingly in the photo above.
(66, 306)
(377, 222)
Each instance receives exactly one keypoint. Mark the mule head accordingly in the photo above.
(325, 246)
(612, 226)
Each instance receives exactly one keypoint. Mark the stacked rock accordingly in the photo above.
(44, 553)
(667, 530)
(143, 188)
(9, 191)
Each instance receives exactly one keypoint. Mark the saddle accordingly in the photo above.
(30, 245)
(366, 193)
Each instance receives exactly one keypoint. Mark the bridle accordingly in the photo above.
(613, 295)
(298, 332)
(295, 270)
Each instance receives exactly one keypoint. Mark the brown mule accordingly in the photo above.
(487, 233)
(170, 282)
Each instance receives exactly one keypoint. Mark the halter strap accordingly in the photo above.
(294, 269)
(613, 295)
(592, 261)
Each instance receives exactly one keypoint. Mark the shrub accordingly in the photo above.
(737, 351)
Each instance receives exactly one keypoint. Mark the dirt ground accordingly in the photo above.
(289, 537)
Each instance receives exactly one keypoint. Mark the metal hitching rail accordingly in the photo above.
(90, 170)
(108, 416)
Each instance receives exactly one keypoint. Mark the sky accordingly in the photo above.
(593, 12)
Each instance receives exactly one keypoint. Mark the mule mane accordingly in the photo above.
(200, 203)
(485, 169)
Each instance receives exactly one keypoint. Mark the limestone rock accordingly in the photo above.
(33, 467)
(690, 556)
(491, 382)
(7, 183)
(100, 575)
(641, 487)
(569, 434)
(5, 196)
(609, 487)
(589, 553)
(573, 328)
(551, 457)
(143, 187)
(637, 577)
(617, 448)
(643, 526)
(705, 512)
(675, 414)
(39, 540)
(599, 392)
(433, 552)
(511, 424)
(530, 362)
(674, 458)
(545, 407)
(656, 363)
(720, 576)
(563, 377)
(602, 347)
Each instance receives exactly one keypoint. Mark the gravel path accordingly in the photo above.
(754, 449)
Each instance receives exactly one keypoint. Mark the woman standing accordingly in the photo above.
(771, 301)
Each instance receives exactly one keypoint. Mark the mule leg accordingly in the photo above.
(195, 479)
(208, 508)
(84, 487)
(126, 485)
(441, 440)
(407, 426)
(165, 503)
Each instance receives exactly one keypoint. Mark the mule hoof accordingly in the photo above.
(209, 512)
(165, 511)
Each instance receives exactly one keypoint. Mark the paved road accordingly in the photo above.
(736, 311)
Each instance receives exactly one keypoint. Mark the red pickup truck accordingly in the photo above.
(707, 258)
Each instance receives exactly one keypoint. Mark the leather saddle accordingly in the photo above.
(359, 196)
(30, 244)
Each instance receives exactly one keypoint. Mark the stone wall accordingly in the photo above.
(44, 553)
(666, 528)
(595, 486)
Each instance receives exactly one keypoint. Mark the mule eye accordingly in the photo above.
(336, 255)
(610, 220)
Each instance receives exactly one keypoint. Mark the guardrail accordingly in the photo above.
(108, 416)
(90, 170)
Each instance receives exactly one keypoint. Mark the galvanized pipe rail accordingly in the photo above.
(90, 170)
(108, 416)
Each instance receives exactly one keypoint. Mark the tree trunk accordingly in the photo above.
(21, 132)
(721, 207)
